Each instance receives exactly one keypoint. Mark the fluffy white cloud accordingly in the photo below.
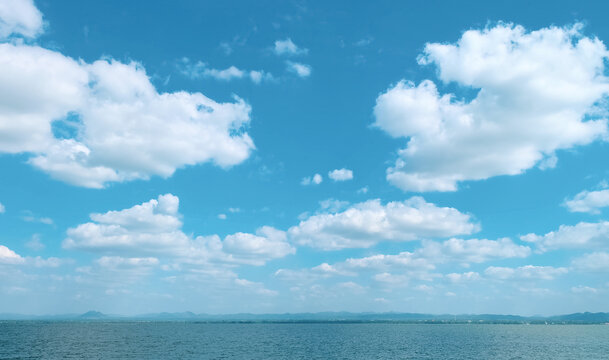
(287, 47)
(302, 70)
(524, 272)
(472, 250)
(200, 70)
(588, 201)
(89, 124)
(154, 228)
(8, 256)
(315, 179)
(268, 243)
(537, 94)
(341, 174)
(583, 235)
(364, 224)
(597, 261)
(20, 17)
(119, 262)
(2, 209)
(463, 277)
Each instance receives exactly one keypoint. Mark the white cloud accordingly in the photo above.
(463, 277)
(268, 243)
(594, 262)
(20, 17)
(537, 94)
(2, 209)
(302, 70)
(222, 216)
(363, 190)
(120, 127)
(583, 236)
(583, 289)
(256, 287)
(115, 262)
(588, 201)
(35, 243)
(154, 228)
(524, 272)
(316, 179)
(341, 174)
(8, 256)
(472, 250)
(332, 205)
(391, 279)
(287, 47)
(364, 224)
(200, 70)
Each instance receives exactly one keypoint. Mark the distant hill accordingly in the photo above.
(576, 318)
(93, 315)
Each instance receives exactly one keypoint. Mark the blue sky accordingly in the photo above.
(296, 156)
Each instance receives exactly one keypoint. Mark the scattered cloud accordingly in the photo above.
(201, 70)
(363, 190)
(222, 216)
(2, 209)
(588, 201)
(538, 93)
(20, 17)
(365, 224)
(35, 243)
(287, 47)
(525, 272)
(89, 124)
(364, 41)
(302, 70)
(154, 228)
(30, 217)
(314, 180)
(8, 256)
(340, 174)
(581, 236)
(594, 262)
(583, 289)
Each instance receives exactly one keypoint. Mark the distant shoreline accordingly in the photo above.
(585, 318)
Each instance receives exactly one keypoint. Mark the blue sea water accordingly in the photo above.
(190, 340)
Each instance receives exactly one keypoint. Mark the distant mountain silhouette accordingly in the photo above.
(93, 315)
(576, 318)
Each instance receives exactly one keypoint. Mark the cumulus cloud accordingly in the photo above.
(8, 256)
(302, 70)
(365, 224)
(154, 228)
(537, 93)
(201, 70)
(287, 47)
(418, 264)
(312, 180)
(2, 209)
(524, 272)
(581, 236)
(463, 277)
(118, 126)
(341, 174)
(20, 17)
(594, 262)
(473, 250)
(588, 201)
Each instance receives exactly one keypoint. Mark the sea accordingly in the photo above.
(193, 340)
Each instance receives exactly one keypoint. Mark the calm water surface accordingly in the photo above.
(187, 340)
